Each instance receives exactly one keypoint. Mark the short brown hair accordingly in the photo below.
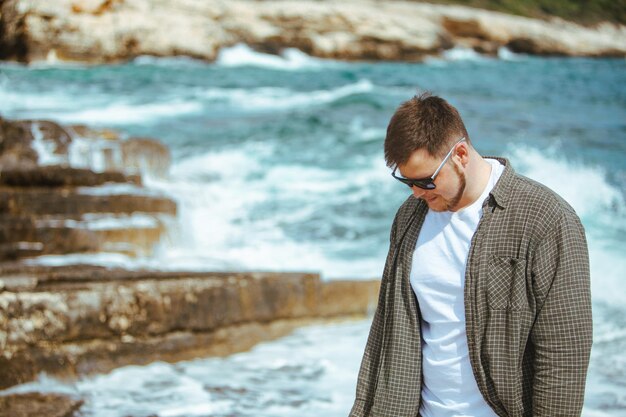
(423, 122)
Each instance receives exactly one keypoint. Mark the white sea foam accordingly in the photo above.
(99, 221)
(217, 194)
(567, 179)
(456, 54)
(117, 189)
(289, 60)
(96, 109)
(134, 221)
(45, 149)
(506, 54)
(42, 105)
(366, 134)
(168, 62)
(121, 113)
(271, 98)
(101, 258)
(460, 53)
(90, 107)
(601, 208)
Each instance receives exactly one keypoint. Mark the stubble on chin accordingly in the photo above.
(448, 205)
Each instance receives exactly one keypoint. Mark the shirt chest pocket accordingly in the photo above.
(506, 284)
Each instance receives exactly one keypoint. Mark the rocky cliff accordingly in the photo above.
(111, 30)
(71, 189)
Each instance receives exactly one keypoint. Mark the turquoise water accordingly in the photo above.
(277, 162)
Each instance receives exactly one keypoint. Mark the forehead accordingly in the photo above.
(419, 165)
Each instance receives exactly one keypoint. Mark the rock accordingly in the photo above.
(35, 404)
(15, 145)
(73, 189)
(533, 36)
(59, 176)
(112, 30)
(69, 321)
(146, 156)
(72, 203)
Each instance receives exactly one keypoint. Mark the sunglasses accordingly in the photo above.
(429, 182)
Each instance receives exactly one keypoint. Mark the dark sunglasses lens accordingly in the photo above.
(424, 184)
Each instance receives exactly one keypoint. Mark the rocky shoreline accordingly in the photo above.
(71, 189)
(101, 31)
(77, 320)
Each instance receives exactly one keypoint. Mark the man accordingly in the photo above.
(484, 307)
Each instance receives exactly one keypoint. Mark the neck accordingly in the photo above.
(477, 175)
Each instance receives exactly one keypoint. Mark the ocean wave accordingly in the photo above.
(600, 207)
(90, 109)
(101, 109)
(271, 98)
(456, 54)
(505, 54)
(226, 197)
(267, 380)
(565, 177)
(290, 59)
(459, 53)
(465, 54)
(127, 113)
(25, 104)
(168, 61)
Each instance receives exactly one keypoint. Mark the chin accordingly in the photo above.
(440, 205)
(436, 205)
(437, 208)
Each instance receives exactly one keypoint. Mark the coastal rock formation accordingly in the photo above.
(111, 30)
(78, 320)
(72, 189)
(34, 404)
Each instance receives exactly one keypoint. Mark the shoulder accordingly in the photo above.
(407, 210)
(526, 191)
(539, 205)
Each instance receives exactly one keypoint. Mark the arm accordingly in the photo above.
(562, 333)
(366, 384)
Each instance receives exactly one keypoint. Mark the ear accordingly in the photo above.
(462, 154)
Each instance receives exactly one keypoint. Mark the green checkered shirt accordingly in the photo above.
(527, 308)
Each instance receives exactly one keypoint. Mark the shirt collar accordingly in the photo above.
(501, 191)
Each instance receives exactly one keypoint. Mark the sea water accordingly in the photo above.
(277, 165)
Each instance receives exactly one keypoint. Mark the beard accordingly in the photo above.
(449, 204)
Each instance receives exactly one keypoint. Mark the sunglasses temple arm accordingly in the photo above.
(446, 159)
(442, 164)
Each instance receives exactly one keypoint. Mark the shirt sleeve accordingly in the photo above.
(366, 383)
(562, 333)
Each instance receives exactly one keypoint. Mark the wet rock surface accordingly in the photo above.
(59, 176)
(56, 190)
(38, 405)
(105, 30)
(70, 321)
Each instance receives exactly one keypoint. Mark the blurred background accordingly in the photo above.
(275, 164)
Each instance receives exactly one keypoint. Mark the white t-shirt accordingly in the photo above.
(438, 278)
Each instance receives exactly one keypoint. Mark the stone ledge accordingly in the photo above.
(78, 326)
(62, 176)
(35, 404)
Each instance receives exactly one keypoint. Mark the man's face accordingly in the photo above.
(450, 181)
